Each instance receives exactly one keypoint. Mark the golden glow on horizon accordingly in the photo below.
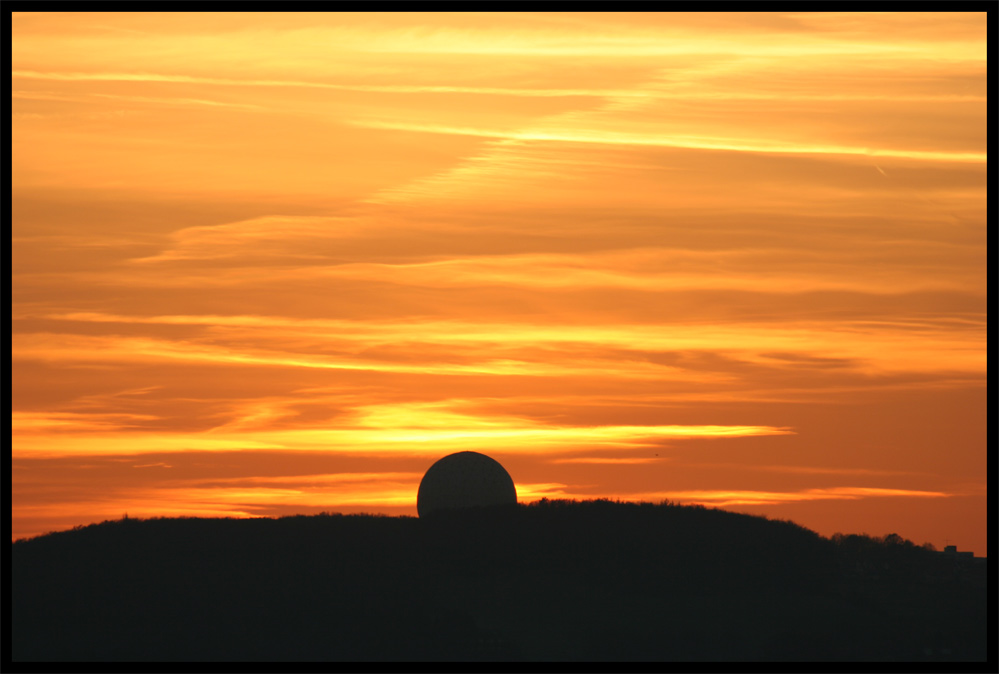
(395, 490)
(276, 263)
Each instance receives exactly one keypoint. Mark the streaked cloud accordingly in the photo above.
(35, 422)
(607, 460)
(642, 94)
(737, 497)
(371, 88)
(421, 429)
(881, 347)
(682, 141)
(728, 498)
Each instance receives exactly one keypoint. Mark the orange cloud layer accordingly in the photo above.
(328, 248)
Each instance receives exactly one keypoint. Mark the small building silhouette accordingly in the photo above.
(952, 550)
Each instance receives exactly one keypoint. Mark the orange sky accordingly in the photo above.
(281, 263)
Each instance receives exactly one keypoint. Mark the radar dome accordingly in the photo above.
(464, 480)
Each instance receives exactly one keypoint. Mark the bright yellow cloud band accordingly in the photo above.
(683, 141)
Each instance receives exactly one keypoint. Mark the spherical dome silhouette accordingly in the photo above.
(464, 480)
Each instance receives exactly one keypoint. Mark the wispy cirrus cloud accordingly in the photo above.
(393, 429)
(46, 422)
(723, 498)
(736, 497)
(682, 141)
(607, 460)
(99, 97)
(902, 347)
(641, 93)
(282, 83)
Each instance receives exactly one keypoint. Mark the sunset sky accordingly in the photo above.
(267, 264)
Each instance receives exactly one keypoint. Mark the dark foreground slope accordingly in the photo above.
(551, 581)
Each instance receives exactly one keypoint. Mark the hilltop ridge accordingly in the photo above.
(554, 580)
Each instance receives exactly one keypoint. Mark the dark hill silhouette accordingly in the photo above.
(555, 580)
